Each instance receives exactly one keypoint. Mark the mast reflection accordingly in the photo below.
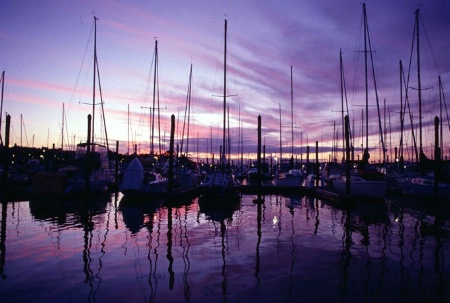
(221, 211)
(3, 240)
(169, 248)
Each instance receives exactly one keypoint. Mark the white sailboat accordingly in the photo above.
(425, 183)
(221, 183)
(187, 174)
(136, 181)
(366, 181)
(91, 170)
(292, 177)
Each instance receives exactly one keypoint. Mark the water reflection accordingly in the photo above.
(169, 247)
(259, 203)
(217, 209)
(3, 240)
(260, 248)
(185, 245)
(220, 213)
(430, 241)
(138, 213)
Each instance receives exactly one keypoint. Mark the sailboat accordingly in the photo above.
(221, 182)
(333, 169)
(291, 177)
(138, 181)
(430, 181)
(188, 175)
(90, 171)
(365, 181)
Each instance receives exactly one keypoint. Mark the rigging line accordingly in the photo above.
(345, 96)
(159, 113)
(82, 63)
(376, 94)
(66, 129)
(184, 122)
(75, 88)
(356, 58)
(412, 129)
(406, 104)
(25, 130)
(427, 37)
(445, 106)
(231, 64)
(146, 97)
(350, 130)
(101, 103)
(186, 113)
(407, 89)
(189, 115)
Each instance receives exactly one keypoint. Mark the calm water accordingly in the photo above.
(287, 249)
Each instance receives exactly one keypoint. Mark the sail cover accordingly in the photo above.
(133, 177)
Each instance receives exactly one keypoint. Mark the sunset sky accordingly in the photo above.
(46, 51)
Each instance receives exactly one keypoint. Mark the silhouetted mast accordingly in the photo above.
(94, 80)
(419, 84)
(1, 106)
(224, 94)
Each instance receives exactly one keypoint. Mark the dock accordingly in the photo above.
(342, 199)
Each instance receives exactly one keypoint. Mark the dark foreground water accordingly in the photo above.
(287, 249)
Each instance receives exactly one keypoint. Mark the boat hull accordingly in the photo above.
(362, 188)
(291, 179)
(410, 187)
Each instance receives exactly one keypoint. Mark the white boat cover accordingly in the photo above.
(133, 176)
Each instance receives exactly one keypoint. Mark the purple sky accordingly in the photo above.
(46, 51)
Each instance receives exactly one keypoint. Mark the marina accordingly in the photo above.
(243, 197)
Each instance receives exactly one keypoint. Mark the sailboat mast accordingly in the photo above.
(154, 97)
(440, 118)
(228, 134)
(187, 114)
(292, 116)
(366, 78)
(400, 152)
(1, 106)
(94, 78)
(211, 145)
(333, 148)
(419, 85)
(281, 153)
(384, 122)
(242, 145)
(224, 93)
(128, 133)
(342, 102)
(62, 130)
(189, 110)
